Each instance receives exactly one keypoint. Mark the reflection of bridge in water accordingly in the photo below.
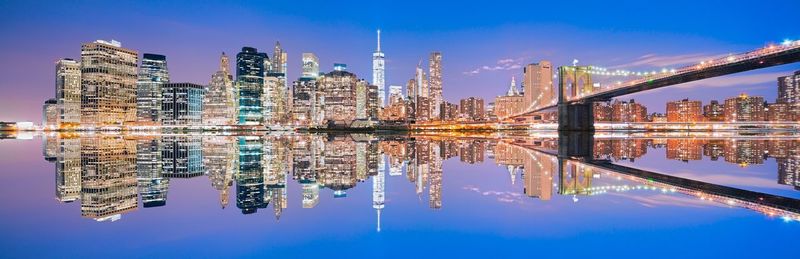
(577, 167)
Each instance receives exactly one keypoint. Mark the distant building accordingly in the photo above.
(779, 112)
(310, 65)
(602, 112)
(629, 111)
(219, 104)
(745, 108)
(153, 74)
(789, 92)
(68, 92)
(307, 102)
(510, 104)
(435, 84)
(338, 90)
(182, 104)
(50, 114)
(714, 111)
(108, 84)
(449, 111)
(684, 111)
(658, 117)
(472, 109)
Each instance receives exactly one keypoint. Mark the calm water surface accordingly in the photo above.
(364, 195)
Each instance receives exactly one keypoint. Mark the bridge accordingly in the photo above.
(577, 93)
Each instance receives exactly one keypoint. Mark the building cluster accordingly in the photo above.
(742, 108)
(111, 87)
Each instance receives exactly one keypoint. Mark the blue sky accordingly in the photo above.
(471, 35)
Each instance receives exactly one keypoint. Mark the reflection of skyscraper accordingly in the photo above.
(745, 152)
(152, 184)
(68, 170)
(250, 180)
(181, 156)
(789, 169)
(152, 75)
(684, 149)
(378, 193)
(221, 164)
(108, 177)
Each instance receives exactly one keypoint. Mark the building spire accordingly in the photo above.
(512, 91)
(224, 63)
(379, 41)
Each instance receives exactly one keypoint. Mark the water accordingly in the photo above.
(452, 195)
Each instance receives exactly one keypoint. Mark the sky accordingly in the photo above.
(483, 44)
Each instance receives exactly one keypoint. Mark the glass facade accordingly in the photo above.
(182, 104)
(152, 75)
(250, 72)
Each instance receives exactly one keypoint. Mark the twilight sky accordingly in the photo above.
(483, 43)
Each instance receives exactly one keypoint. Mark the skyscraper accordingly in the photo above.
(378, 69)
(310, 65)
(472, 108)
(108, 84)
(435, 83)
(684, 111)
(789, 92)
(152, 75)
(339, 94)
(250, 73)
(50, 114)
(538, 85)
(219, 104)
(395, 94)
(68, 92)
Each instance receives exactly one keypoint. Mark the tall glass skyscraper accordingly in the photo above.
(152, 75)
(250, 72)
(378, 69)
(435, 81)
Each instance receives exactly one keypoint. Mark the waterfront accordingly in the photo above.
(498, 194)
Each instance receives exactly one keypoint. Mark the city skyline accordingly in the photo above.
(404, 48)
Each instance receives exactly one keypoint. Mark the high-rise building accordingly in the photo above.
(630, 111)
(510, 104)
(714, 111)
(378, 70)
(310, 65)
(745, 108)
(538, 85)
(789, 92)
(153, 74)
(50, 111)
(108, 84)
(306, 104)
(279, 59)
(275, 95)
(250, 73)
(435, 83)
(68, 92)
(219, 104)
(339, 95)
(182, 104)
(472, 109)
(684, 111)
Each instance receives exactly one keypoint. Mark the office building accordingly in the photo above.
(220, 102)
(435, 84)
(250, 71)
(538, 85)
(182, 104)
(68, 92)
(744, 108)
(108, 84)
(153, 74)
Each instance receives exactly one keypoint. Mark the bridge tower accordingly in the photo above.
(574, 116)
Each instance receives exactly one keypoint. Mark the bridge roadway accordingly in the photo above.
(769, 204)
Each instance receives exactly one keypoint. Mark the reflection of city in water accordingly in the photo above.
(108, 175)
